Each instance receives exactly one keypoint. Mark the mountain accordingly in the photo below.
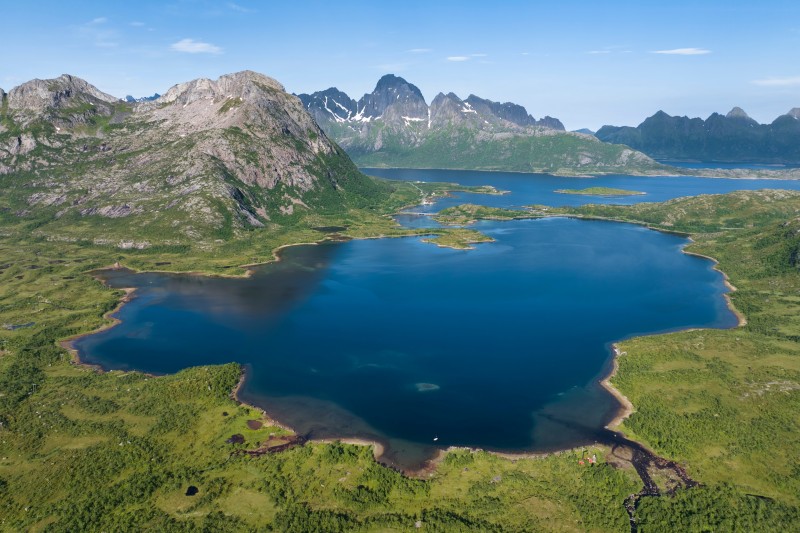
(734, 137)
(394, 126)
(130, 99)
(206, 160)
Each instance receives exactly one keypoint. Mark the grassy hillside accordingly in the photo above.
(464, 148)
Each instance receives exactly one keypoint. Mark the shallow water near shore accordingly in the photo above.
(403, 342)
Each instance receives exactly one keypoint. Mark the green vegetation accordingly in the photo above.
(230, 103)
(464, 148)
(702, 214)
(460, 239)
(468, 213)
(600, 191)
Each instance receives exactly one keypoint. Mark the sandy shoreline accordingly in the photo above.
(626, 408)
(739, 315)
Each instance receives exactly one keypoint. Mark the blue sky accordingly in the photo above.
(587, 63)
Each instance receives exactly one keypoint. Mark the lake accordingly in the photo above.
(395, 340)
(527, 189)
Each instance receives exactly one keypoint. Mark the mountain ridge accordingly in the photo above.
(405, 99)
(734, 137)
(395, 126)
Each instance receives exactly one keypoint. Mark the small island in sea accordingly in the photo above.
(600, 191)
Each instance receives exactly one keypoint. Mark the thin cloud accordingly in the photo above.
(240, 9)
(458, 58)
(596, 52)
(137, 24)
(419, 50)
(479, 55)
(791, 81)
(98, 33)
(190, 46)
(683, 52)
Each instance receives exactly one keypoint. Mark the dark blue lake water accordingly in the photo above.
(499, 347)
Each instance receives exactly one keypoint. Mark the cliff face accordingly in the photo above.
(393, 126)
(734, 137)
(208, 157)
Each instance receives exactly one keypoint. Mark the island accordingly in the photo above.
(600, 191)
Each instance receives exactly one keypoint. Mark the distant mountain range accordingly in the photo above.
(734, 138)
(395, 98)
(130, 99)
(394, 126)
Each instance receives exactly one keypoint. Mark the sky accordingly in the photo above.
(588, 63)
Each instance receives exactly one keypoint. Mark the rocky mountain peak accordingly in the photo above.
(245, 85)
(246, 101)
(445, 101)
(450, 109)
(63, 92)
(794, 112)
(132, 100)
(390, 82)
(400, 104)
(737, 112)
(508, 111)
(551, 122)
(330, 104)
(393, 91)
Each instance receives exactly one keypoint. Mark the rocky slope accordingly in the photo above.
(205, 160)
(394, 126)
(734, 137)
